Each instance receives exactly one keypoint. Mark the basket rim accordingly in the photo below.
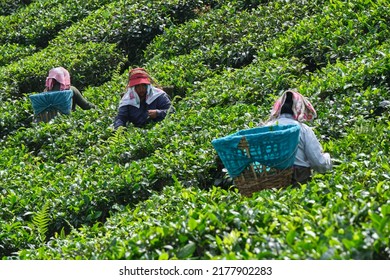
(281, 129)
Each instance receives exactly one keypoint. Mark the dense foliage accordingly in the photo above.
(74, 188)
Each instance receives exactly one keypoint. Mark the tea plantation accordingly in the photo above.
(74, 188)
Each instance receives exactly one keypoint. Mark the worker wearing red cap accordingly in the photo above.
(142, 102)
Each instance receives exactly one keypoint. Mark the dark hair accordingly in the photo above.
(288, 104)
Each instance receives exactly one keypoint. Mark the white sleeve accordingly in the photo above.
(319, 161)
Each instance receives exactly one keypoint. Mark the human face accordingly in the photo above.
(141, 90)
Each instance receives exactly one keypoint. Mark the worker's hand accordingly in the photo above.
(328, 161)
(152, 114)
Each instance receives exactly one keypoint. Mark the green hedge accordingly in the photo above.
(131, 24)
(88, 63)
(9, 7)
(15, 114)
(343, 30)
(314, 222)
(231, 36)
(69, 163)
(12, 52)
(223, 38)
(38, 23)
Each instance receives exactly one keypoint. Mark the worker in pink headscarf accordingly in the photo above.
(293, 108)
(58, 79)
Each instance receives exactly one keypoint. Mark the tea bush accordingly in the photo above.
(242, 28)
(15, 114)
(130, 24)
(10, 7)
(12, 52)
(220, 224)
(202, 48)
(84, 62)
(341, 31)
(38, 23)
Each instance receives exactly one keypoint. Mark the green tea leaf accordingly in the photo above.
(186, 251)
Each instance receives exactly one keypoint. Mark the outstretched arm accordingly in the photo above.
(319, 161)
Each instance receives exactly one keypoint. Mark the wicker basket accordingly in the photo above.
(259, 158)
(257, 177)
(46, 116)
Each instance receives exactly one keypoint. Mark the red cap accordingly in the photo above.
(138, 76)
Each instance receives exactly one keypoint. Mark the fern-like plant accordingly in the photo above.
(41, 222)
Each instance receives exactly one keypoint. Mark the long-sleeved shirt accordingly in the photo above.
(77, 98)
(309, 153)
(139, 116)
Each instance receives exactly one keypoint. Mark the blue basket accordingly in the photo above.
(52, 101)
(274, 147)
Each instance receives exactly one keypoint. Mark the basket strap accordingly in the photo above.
(245, 146)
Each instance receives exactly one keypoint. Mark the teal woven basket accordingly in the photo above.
(262, 150)
(52, 101)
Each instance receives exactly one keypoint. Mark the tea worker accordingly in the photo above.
(293, 108)
(58, 79)
(142, 102)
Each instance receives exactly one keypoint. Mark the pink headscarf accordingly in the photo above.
(59, 74)
(302, 108)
